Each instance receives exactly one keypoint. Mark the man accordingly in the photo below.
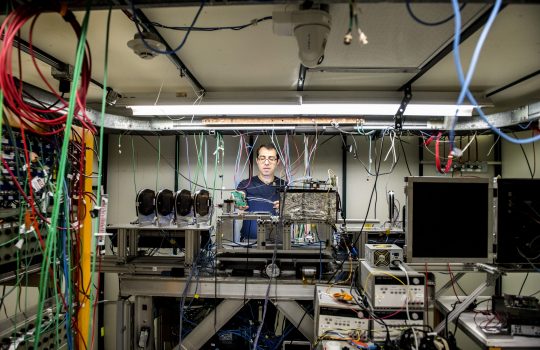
(261, 191)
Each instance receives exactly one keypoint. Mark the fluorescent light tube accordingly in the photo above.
(311, 109)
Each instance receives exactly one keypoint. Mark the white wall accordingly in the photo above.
(120, 182)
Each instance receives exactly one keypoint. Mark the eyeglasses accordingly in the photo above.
(270, 159)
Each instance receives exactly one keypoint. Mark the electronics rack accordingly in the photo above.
(387, 292)
(17, 332)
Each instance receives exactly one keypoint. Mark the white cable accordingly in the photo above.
(458, 152)
(402, 268)
(306, 156)
(494, 143)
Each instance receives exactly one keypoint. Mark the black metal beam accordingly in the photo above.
(420, 156)
(301, 77)
(45, 57)
(465, 34)
(515, 82)
(148, 26)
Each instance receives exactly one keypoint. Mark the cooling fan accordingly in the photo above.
(383, 256)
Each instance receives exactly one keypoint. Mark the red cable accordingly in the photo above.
(452, 279)
(438, 158)
(14, 100)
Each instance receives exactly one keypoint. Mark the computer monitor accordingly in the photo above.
(518, 223)
(449, 220)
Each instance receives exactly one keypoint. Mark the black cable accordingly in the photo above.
(254, 22)
(179, 173)
(41, 103)
(523, 284)
(446, 320)
(404, 155)
(531, 172)
(533, 294)
(182, 43)
(430, 24)
(390, 171)
(366, 216)
(369, 311)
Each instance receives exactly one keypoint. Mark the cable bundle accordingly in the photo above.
(50, 119)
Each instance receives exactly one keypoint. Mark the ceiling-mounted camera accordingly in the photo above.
(310, 26)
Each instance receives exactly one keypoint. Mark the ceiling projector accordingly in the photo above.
(310, 27)
(141, 50)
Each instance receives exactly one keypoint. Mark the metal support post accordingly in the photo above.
(490, 280)
(206, 329)
(325, 234)
(193, 242)
(286, 229)
(133, 242)
(143, 335)
(122, 245)
(261, 234)
(220, 226)
(298, 316)
(123, 324)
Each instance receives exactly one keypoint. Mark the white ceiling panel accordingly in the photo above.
(511, 51)
(255, 59)
(395, 39)
(127, 72)
(355, 81)
(252, 58)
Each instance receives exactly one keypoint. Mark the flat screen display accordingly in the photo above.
(518, 223)
(449, 220)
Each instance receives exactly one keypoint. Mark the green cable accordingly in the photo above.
(158, 161)
(100, 171)
(222, 163)
(61, 174)
(197, 171)
(69, 301)
(216, 157)
(133, 164)
(200, 161)
(218, 148)
(7, 242)
(55, 290)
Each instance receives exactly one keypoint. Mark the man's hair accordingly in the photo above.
(267, 146)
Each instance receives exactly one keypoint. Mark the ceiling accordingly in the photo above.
(255, 59)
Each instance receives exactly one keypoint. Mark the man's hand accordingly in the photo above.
(276, 205)
(243, 207)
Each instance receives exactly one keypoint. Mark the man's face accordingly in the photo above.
(267, 161)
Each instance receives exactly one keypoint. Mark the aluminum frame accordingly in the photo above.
(410, 181)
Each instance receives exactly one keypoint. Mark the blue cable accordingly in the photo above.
(465, 82)
(526, 126)
(183, 40)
